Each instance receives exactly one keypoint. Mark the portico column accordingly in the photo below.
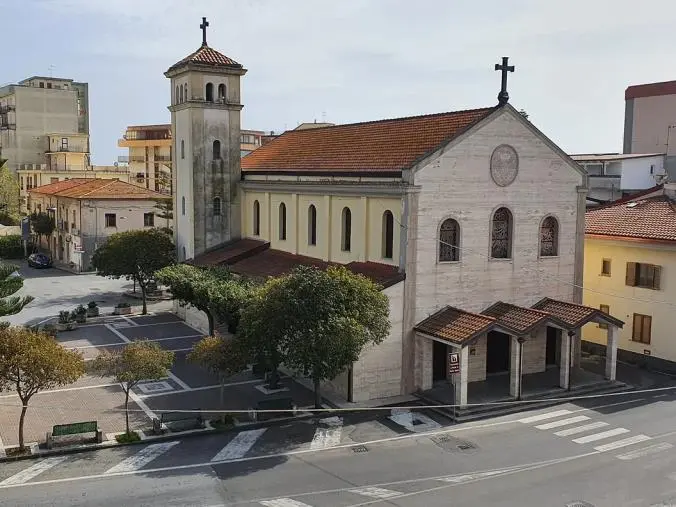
(460, 379)
(564, 368)
(611, 352)
(515, 367)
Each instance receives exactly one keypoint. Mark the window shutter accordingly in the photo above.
(636, 328)
(647, 324)
(656, 277)
(631, 274)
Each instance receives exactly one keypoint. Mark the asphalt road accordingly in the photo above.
(606, 452)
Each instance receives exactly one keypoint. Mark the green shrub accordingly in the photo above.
(11, 247)
(128, 438)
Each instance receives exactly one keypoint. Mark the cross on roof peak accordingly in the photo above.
(503, 96)
(204, 26)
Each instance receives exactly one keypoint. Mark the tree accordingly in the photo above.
(165, 211)
(31, 362)
(136, 362)
(214, 291)
(43, 224)
(9, 196)
(135, 255)
(10, 283)
(223, 357)
(328, 318)
(523, 113)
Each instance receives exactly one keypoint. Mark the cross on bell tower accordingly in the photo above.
(503, 96)
(204, 26)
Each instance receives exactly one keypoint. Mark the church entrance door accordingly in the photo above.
(439, 361)
(497, 352)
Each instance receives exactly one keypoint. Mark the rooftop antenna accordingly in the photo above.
(51, 69)
(323, 116)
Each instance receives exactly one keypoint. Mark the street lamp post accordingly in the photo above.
(521, 341)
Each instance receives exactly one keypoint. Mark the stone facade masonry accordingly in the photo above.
(534, 350)
(477, 361)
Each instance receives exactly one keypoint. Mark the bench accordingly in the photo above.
(75, 433)
(178, 421)
(275, 404)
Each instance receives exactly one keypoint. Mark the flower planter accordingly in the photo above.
(93, 312)
(81, 318)
(65, 326)
(122, 310)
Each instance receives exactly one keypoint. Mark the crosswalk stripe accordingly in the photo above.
(328, 437)
(600, 436)
(33, 471)
(581, 429)
(374, 492)
(645, 451)
(622, 443)
(240, 445)
(141, 458)
(474, 476)
(283, 502)
(542, 417)
(562, 422)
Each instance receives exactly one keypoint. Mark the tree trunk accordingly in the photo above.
(143, 297)
(22, 417)
(273, 379)
(222, 395)
(318, 394)
(126, 407)
(210, 318)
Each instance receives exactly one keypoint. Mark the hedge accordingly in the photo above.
(11, 247)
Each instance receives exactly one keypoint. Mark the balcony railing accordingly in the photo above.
(162, 158)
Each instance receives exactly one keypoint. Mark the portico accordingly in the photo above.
(506, 346)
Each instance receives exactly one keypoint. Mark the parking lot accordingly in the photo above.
(188, 387)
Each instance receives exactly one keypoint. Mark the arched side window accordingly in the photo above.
(217, 206)
(216, 150)
(182, 148)
(388, 234)
(185, 87)
(183, 205)
(176, 96)
(501, 234)
(346, 220)
(549, 237)
(449, 241)
(221, 92)
(184, 254)
(210, 92)
(180, 95)
(312, 225)
(282, 221)
(256, 218)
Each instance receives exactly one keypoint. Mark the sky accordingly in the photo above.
(353, 60)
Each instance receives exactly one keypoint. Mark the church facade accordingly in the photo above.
(471, 221)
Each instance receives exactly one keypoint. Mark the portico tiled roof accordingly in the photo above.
(207, 56)
(380, 147)
(574, 315)
(516, 318)
(97, 188)
(455, 325)
(650, 218)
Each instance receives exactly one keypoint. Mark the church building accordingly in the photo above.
(472, 222)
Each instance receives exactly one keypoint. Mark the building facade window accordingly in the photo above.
(183, 205)
(606, 266)
(221, 92)
(388, 235)
(210, 92)
(182, 149)
(149, 220)
(549, 237)
(312, 225)
(605, 309)
(180, 100)
(643, 275)
(256, 218)
(217, 206)
(282, 221)
(346, 220)
(501, 234)
(111, 220)
(216, 150)
(185, 87)
(642, 328)
(449, 241)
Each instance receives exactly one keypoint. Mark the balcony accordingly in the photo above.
(137, 158)
(605, 181)
(162, 158)
(67, 149)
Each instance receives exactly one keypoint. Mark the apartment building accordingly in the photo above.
(149, 156)
(250, 140)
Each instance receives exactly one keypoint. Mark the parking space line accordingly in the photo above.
(183, 385)
(240, 445)
(146, 409)
(142, 458)
(117, 333)
(2, 449)
(150, 340)
(129, 321)
(202, 388)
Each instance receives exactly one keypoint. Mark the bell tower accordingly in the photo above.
(205, 126)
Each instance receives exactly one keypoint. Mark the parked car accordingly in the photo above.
(39, 261)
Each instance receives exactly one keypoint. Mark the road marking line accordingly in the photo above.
(118, 344)
(600, 436)
(2, 449)
(129, 321)
(374, 492)
(32, 472)
(562, 422)
(542, 417)
(141, 458)
(183, 385)
(479, 475)
(622, 443)
(65, 389)
(581, 429)
(117, 333)
(651, 449)
(142, 405)
(328, 437)
(203, 388)
(283, 502)
(240, 445)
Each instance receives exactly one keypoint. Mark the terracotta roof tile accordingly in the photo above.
(652, 218)
(207, 56)
(573, 315)
(455, 325)
(98, 188)
(516, 318)
(385, 146)
(52, 188)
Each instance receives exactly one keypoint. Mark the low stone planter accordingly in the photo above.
(66, 326)
(93, 312)
(122, 310)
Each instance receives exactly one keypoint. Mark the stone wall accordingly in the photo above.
(192, 316)
(534, 350)
(477, 362)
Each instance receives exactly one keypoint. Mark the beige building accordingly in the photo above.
(250, 140)
(149, 159)
(630, 271)
(33, 109)
(87, 211)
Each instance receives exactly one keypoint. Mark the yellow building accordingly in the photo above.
(630, 271)
(149, 156)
